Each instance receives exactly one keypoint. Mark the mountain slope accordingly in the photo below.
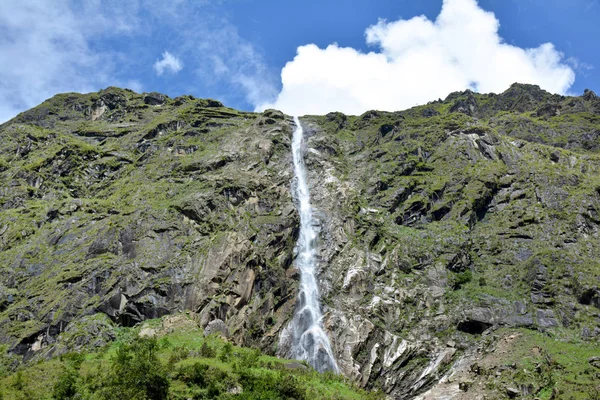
(438, 226)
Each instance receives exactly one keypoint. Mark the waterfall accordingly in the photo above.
(309, 340)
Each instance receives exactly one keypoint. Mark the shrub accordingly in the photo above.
(211, 380)
(65, 388)
(195, 374)
(19, 381)
(136, 373)
(248, 359)
(459, 279)
(73, 359)
(207, 351)
(288, 387)
(7, 361)
(179, 353)
(226, 352)
(274, 386)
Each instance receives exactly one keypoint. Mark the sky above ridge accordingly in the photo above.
(303, 57)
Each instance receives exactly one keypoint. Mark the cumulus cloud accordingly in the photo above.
(168, 63)
(417, 60)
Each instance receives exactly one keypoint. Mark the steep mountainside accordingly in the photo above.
(444, 229)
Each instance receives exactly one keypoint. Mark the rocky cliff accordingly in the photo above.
(445, 230)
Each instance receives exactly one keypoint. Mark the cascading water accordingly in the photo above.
(309, 340)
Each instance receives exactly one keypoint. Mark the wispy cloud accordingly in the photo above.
(218, 54)
(46, 48)
(168, 63)
(234, 60)
(582, 68)
(52, 47)
(415, 61)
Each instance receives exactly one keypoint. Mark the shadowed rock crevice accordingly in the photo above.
(473, 327)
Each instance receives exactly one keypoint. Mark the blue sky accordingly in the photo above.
(377, 54)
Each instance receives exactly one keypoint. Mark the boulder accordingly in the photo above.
(216, 327)
(589, 95)
(155, 99)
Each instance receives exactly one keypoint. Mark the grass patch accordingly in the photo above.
(181, 364)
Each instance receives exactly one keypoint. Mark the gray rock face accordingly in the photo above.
(154, 99)
(539, 276)
(546, 319)
(216, 327)
(216, 239)
(589, 95)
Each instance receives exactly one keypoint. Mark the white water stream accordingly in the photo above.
(309, 340)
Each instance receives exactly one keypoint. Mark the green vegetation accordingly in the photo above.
(546, 365)
(179, 365)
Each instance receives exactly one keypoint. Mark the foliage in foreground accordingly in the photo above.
(181, 365)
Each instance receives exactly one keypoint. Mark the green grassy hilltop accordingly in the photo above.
(171, 358)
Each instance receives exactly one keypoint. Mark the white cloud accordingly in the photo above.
(215, 51)
(232, 60)
(582, 68)
(49, 47)
(168, 63)
(45, 49)
(418, 60)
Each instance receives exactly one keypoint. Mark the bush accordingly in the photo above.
(207, 351)
(211, 380)
(7, 361)
(461, 278)
(73, 359)
(248, 359)
(288, 387)
(195, 374)
(19, 381)
(179, 353)
(65, 387)
(226, 352)
(136, 373)
(273, 386)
